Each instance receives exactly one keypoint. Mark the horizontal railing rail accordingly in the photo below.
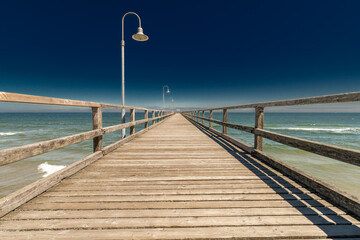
(347, 155)
(22, 152)
(336, 98)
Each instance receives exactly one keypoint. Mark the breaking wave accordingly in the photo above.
(355, 130)
(48, 169)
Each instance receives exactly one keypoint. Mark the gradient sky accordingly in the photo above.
(210, 53)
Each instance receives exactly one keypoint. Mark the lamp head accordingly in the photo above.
(140, 36)
(168, 91)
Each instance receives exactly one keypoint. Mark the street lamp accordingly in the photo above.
(168, 91)
(139, 36)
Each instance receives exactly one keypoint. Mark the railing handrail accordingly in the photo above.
(351, 156)
(14, 154)
(33, 99)
(336, 98)
(332, 151)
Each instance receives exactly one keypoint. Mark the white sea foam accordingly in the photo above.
(48, 169)
(9, 133)
(317, 129)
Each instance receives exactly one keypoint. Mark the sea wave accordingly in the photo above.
(9, 133)
(352, 130)
(48, 169)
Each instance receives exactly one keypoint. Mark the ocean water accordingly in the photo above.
(341, 129)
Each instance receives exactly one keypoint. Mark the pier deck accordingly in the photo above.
(177, 181)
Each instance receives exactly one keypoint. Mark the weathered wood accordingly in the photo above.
(244, 232)
(337, 98)
(230, 125)
(132, 119)
(203, 115)
(342, 154)
(211, 118)
(23, 195)
(259, 124)
(153, 116)
(224, 128)
(146, 117)
(136, 213)
(23, 98)
(17, 153)
(97, 124)
(153, 222)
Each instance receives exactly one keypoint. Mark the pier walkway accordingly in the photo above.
(178, 181)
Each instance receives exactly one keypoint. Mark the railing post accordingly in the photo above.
(203, 115)
(132, 119)
(211, 117)
(152, 116)
(198, 115)
(259, 123)
(97, 124)
(224, 128)
(146, 117)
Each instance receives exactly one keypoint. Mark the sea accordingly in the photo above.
(340, 129)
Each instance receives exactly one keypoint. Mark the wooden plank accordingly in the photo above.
(143, 192)
(211, 116)
(336, 98)
(174, 205)
(23, 98)
(245, 232)
(18, 153)
(136, 213)
(178, 222)
(178, 197)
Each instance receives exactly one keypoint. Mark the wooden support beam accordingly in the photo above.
(97, 124)
(224, 128)
(153, 116)
(259, 124)
(132, 119)
(211, 117)
(203, 115)
(146, 117)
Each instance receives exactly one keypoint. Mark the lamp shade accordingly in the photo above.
(140, 36)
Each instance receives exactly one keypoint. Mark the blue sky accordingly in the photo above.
(210, 53)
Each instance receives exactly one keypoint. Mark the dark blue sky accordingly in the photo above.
(210, 53)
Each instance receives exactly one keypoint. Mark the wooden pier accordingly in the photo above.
(176, 179)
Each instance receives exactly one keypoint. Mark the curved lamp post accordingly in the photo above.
(167, 91)
(139, 36)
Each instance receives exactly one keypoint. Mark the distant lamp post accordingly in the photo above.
(139, 36)
(167, 91)
(172, 105)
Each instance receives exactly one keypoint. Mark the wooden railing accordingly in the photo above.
(339, 153)
(18, 153)
(350, 156)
